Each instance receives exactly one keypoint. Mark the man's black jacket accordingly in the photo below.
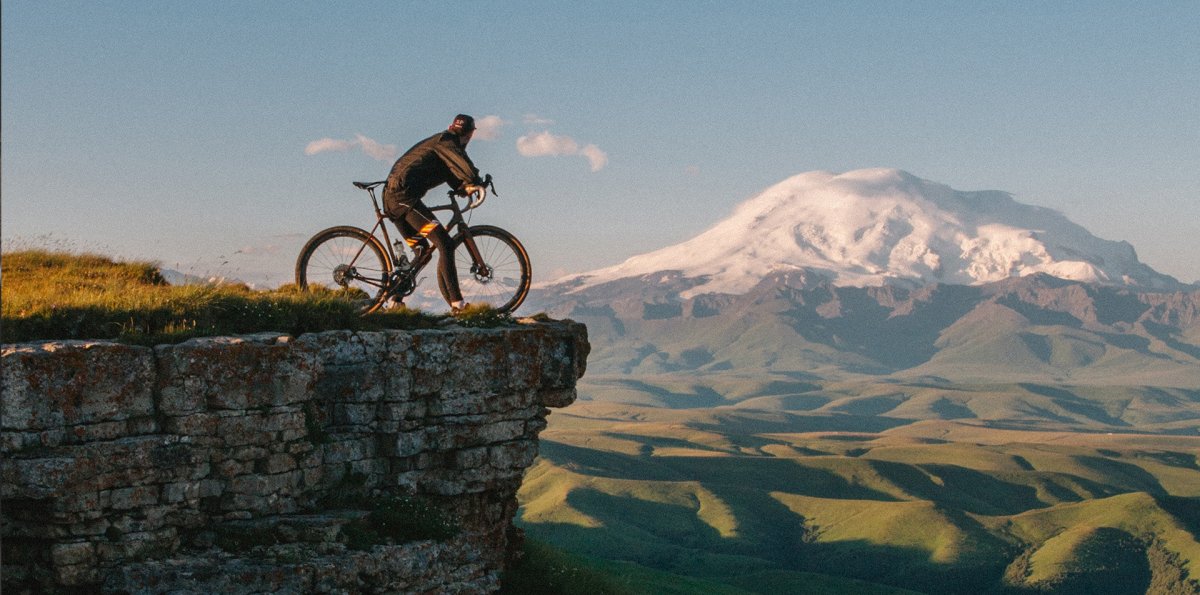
(438, 159)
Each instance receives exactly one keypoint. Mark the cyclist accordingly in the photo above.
(439, 159)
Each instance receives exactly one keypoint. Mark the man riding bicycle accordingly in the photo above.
(441, 158)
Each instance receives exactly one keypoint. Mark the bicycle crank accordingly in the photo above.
(402, 284)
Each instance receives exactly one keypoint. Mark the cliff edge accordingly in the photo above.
(330, 462)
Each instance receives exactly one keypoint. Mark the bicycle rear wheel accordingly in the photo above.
(502, 279)
(347, 260)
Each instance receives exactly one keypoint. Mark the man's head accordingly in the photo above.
(464, 126)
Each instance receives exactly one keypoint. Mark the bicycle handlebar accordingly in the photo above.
(478, 196)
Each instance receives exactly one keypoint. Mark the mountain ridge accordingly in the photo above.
(1068, 326)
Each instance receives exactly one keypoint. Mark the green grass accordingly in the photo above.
(546, 570)
(399, 519)
(56, 295)
(739, 497)
(482, 316)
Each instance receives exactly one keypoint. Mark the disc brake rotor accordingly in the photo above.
(482, 275)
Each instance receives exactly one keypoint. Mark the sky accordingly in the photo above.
(216, 137)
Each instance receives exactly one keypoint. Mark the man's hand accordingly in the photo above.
(471, 189)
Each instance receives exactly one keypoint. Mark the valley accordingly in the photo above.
(762, 501)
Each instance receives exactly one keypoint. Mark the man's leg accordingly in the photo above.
(413, 237)
(426, 226)
(397, 205)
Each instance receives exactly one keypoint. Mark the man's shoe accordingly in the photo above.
(459, 310)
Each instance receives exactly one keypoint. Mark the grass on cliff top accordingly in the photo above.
(56, 295)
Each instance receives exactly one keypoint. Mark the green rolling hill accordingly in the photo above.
(731, 496)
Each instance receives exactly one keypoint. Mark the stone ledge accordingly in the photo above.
(113, 455)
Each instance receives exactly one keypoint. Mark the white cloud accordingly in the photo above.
(376, 150)
(369, 147)
(595, 156)
(328, 144)
(545, 144)
(488, 127)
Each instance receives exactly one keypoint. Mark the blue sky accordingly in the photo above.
(177, 131)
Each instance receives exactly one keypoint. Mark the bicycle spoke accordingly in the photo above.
(504, 278)
(345, 259)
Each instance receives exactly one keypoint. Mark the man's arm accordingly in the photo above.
(457, 160)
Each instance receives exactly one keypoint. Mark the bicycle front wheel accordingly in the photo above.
(347, 260)
(501, 276)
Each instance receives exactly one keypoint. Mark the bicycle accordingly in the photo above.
(493, 267)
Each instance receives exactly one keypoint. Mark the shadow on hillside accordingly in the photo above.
(1039, 315)
(1108, 561)
(1126, 475)
(1186, 510)
(1075, 404)
(768, 474)
(960, 488)
(1165, 334)
(1115, 306)
(742, 422)
(764, 473)
(649, 444)
(862, 324)
(657, 396)
(599, 463)
(1171, 458)
(629, 535)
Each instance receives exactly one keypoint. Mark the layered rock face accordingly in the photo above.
(242, 464)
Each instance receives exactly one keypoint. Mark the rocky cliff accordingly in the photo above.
(331, 462)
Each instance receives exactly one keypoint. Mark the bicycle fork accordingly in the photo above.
(479, 268)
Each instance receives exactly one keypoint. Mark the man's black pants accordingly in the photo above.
(415, 221)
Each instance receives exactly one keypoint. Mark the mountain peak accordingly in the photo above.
(885, 226)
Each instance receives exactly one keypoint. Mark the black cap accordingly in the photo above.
(462, 124)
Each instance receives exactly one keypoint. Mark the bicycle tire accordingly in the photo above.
(506, 283)
(349, 260)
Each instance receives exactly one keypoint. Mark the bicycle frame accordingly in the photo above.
(457, 224)
(352, 258)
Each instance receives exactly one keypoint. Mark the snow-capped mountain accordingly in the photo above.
(884, 226)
